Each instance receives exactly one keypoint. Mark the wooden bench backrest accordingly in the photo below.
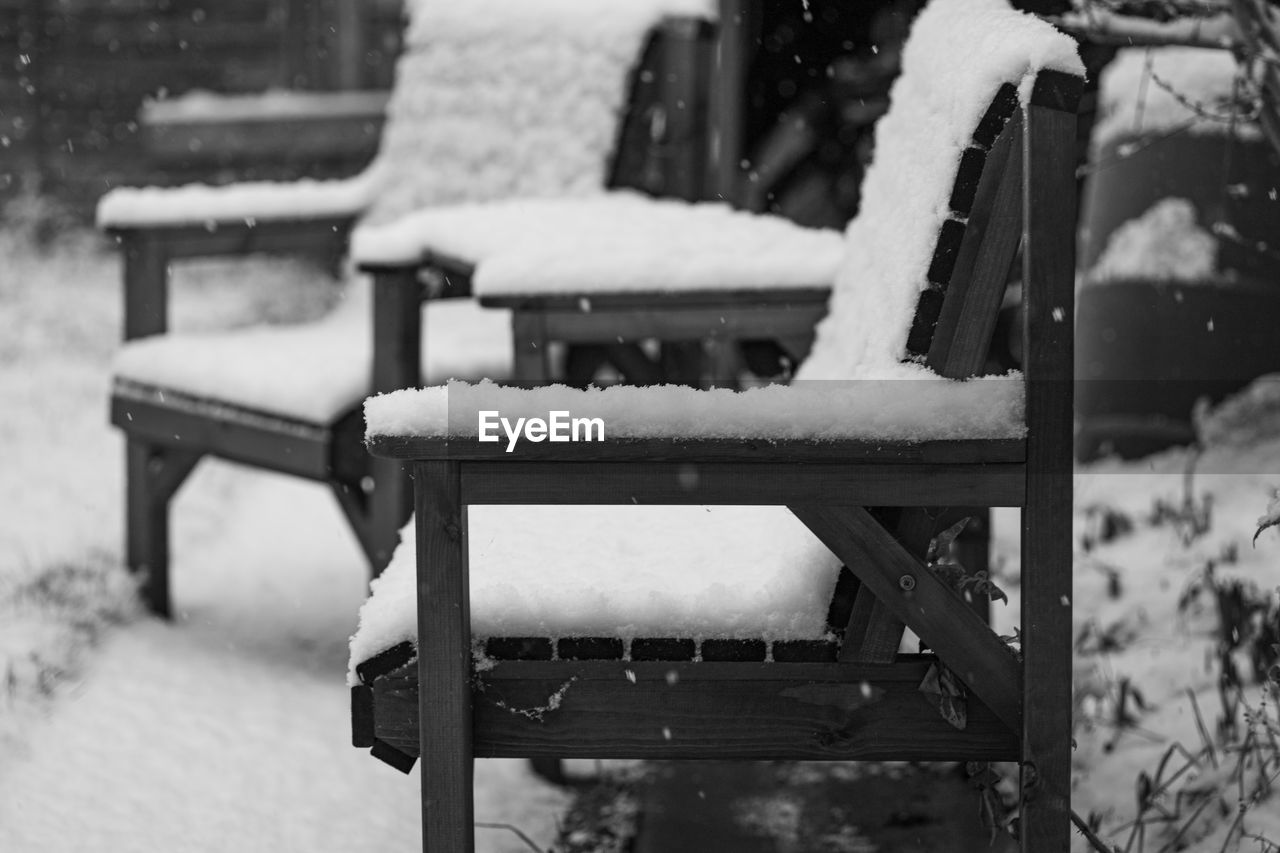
(495, 100)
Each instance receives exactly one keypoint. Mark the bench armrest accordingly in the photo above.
(893, 417)
(204, 206)
(156, 226)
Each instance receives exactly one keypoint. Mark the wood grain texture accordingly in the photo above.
(146, 285)
(639, 709)
(936, 614)
(152, 476)
(168, 418)
(755, 484)
(443, 669)
(238, 237)
(779, 299)
(967, 318)
(755, 451)
(1046, 537)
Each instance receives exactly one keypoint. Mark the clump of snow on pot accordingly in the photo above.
(1163, 244)
(1151, 91)
(1246, 418)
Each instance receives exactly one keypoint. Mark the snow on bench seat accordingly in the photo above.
(657, 571)
(314, 372)
(933, 115)
(902, 402)
(622, 241)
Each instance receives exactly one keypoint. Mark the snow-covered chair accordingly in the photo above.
(492, 98)
(708, 614)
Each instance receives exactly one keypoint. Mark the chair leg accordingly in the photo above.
(152, 477)
(444, 689)
(1045, 823)
(390, 505)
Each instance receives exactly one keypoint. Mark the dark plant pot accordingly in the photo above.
(1146, 350)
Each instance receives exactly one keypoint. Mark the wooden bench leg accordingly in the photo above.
(152, 476)
(390, 505)
(1046, 651)
(532, 352)
(444, 660)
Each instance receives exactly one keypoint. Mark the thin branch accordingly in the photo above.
(1102, 26)
(526, 839)
(1094, 841)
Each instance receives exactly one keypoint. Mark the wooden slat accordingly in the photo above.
(742, 485)
(238, 237)
(202, 426)
(734, 41)
(925, 604)
(444, 627)
(146, 285)
(1046, 537)
(818, 711)
(675, 449)
(674, 323)
(775, 298)
(962, 338)
(531, 348)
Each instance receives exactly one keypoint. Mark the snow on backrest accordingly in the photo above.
(499, 98)
(959, 54)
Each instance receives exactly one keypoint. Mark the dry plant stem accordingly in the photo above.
(1173, 843)
(1094, 841)
(1262, 40)
(526, 839)
(1204, 731)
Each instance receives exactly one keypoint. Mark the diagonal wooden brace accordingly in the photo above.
(924, 602)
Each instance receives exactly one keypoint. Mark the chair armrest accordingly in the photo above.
(158, 225)
(251, 202)
(883, 419)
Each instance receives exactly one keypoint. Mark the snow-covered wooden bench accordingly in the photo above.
(493, 98)
(676, 590)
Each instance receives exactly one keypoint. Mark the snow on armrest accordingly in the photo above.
(896, 403)
(198, 204)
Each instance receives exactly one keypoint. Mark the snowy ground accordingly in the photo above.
(228, 729)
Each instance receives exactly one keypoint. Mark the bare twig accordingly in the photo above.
(526, 839)
(1094, 841)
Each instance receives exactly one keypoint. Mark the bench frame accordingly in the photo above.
(437, 706)
(169, 433)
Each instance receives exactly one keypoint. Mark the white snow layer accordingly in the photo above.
(274, 369)
(1153, 90)
(1164, 244)
(872, 405)
(958, 55)
(701, 572)
(973, 46)
(618, 241)
(492, 98)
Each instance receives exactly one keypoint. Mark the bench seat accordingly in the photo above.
(313, 372)
(620, 241)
